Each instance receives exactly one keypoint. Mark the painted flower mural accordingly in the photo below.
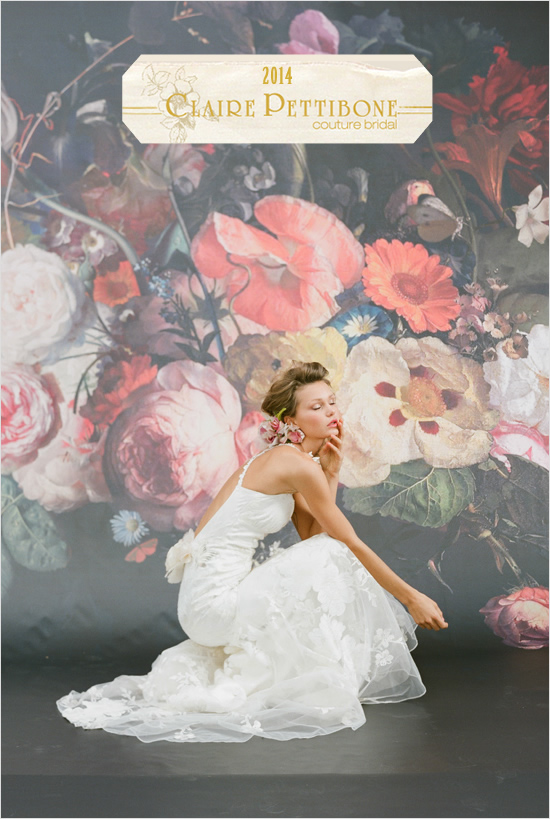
(415, 399)
(151, 292)
(288, 283)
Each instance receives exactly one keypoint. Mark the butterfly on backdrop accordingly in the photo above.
(139, 553)
(434, 221)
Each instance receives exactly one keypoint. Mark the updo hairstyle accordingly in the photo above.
(282, 391)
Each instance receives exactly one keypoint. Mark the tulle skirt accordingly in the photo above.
(312, 638)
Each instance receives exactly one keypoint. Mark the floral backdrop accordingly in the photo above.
(151, 292)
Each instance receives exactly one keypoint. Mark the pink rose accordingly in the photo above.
(511, 438)
(169, 454)
(66, 473)
(520, 618)
(30, 415)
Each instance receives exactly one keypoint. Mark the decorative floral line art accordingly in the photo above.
(151, 292)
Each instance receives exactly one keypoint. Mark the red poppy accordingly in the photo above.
(285, 279)
(116, 286)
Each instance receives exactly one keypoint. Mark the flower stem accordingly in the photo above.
(213, 317)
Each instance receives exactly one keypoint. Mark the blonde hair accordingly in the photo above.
(281, 395)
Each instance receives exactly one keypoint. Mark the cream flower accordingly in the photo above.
(530, 218)
(519, 385)
(417, 399)
(178, 556)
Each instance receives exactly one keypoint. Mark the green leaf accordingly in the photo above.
(521, 497)
(208, 339)
(28, 531)
(170, 247)
(416, 492)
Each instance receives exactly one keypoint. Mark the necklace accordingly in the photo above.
(316, 458)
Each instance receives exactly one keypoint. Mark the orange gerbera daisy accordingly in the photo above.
(117, 286)
(405, 278)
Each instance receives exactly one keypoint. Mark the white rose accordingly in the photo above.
(45, 309)
(519, 386)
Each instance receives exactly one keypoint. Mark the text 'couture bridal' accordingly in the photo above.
(289, 648)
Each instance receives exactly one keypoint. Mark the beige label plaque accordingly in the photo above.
(257, 98)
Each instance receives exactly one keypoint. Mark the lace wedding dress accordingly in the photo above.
(290, 648)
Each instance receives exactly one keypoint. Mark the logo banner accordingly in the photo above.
(261, 98)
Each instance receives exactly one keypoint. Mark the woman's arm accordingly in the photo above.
(313, 486)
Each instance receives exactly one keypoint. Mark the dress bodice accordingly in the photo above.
(247, 515)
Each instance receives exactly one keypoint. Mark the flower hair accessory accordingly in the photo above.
(274, 431)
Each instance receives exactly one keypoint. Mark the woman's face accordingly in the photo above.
(316, 410)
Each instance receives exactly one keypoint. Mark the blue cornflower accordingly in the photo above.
(361, 322)
(128, 527)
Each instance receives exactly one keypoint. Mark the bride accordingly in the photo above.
(293, 647)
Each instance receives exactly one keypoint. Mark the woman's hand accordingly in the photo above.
(330, 455)
(426, 612)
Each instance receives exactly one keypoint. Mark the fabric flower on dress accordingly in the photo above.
(177, 556)
(288, 282)
(530, 218)
(520, 618)
(417, 399)
(519, 384)
(405, 278)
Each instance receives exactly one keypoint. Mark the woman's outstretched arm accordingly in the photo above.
(312, 484)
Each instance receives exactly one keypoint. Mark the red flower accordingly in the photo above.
(405, 278)
(117, 388)
(135, 208)
(510, 92)
(116, 286)
(307, 257)
(483, 154)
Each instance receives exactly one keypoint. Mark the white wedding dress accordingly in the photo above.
(290, 648)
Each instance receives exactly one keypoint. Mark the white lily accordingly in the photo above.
(530, 218)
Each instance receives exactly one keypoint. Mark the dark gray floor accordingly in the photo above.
(474, 746)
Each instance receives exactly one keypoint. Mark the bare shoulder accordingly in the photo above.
(297, 466)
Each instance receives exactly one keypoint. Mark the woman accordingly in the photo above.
(293, 647)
